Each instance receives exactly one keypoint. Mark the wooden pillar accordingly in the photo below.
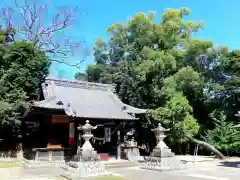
(118, 146)
(121, 133)
(120, 137)
(71, 133)
(36, 156)
(79, 138)
(19, 146)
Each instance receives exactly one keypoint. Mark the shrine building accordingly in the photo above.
(51, 122)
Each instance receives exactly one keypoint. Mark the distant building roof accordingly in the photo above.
(85, 100)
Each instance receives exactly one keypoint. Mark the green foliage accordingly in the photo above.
(100, 71)
(228, 97)
(100, 52)
(231, 67)
(231, 62)
(223, 136)
(9, 114)
(158, 65)
(186, 80)
(81, 76)
(177, 115)
(23, 69)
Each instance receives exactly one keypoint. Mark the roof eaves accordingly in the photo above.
(131, 109)
(46, 103)
(70, 111)
(106, 118)
(127, 108)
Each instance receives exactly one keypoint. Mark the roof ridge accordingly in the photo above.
(80, 84)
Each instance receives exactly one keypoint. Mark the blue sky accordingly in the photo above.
(221, 18)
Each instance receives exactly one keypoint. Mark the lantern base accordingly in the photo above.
(165, 152)
(162, 163)
(76, 170)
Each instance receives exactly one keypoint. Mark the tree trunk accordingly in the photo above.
(207, 146)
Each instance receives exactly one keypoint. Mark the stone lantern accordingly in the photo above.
(161, 157)
(86, 166)
(87, 151)
(161, 149)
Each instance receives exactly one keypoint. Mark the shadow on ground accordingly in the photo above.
(234, 164)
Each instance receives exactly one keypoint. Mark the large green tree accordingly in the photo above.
(231, 94)
(23, 69)
(158, 65)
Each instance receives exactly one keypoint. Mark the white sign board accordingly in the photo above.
(107, 134)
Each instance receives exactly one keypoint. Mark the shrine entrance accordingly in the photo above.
(64, 105)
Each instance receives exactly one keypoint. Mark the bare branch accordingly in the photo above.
(76, 65)
(6, 16)
(42, 34)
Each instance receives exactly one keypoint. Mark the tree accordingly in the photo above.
(160, 66)
(81, 76)
(227, 97)
(23, 69)
(139, 50)
(36, 30)
(223, 136)
(231, 67)
(101, 71)
(177, 113)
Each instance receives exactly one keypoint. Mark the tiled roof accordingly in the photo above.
(86, 100)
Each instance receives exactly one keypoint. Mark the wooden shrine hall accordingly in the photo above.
(51, 123)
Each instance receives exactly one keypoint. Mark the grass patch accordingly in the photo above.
(111, 178)
(9, 164)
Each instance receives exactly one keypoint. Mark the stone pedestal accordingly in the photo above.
(161, 157)
(76, 170)
(86, 166)
(165, 152)
(162, 163)
(131, 150)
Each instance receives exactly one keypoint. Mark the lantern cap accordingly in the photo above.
(160, 128)
(87, 126)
